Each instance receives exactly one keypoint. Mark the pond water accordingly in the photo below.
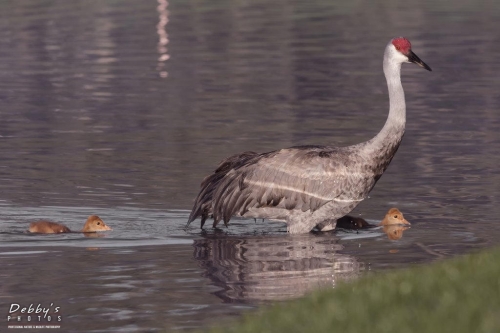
(121, 108)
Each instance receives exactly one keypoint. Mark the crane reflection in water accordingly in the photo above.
(269, 268)
(263, 268)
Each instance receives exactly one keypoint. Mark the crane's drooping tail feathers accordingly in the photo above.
(204, 205)
(290, 179)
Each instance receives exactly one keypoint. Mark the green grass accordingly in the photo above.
(458, 295)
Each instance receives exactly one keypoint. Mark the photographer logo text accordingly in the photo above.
(33, 315)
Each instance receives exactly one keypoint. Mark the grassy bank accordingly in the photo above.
(459, 295)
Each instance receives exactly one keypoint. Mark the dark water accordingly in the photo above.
(120, 108)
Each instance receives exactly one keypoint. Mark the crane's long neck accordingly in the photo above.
(387, 141)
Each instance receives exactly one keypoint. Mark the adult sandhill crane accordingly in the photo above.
(305, 186)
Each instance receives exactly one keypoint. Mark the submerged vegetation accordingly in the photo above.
(458, 295)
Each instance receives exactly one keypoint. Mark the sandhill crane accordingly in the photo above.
(308, 186)
(392, 217)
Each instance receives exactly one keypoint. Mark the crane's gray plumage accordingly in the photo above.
(306, 186)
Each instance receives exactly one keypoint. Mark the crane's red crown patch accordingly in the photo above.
(402, 44)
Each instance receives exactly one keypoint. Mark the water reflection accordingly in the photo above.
(394, 232)
(162, 37)
(264, 268)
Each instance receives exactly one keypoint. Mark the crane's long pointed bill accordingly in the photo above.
(412, 57)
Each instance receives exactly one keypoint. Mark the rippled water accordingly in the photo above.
(121, 108)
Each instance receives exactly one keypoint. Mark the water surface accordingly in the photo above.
(120, 109)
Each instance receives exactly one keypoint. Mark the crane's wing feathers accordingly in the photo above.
(304, 178)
